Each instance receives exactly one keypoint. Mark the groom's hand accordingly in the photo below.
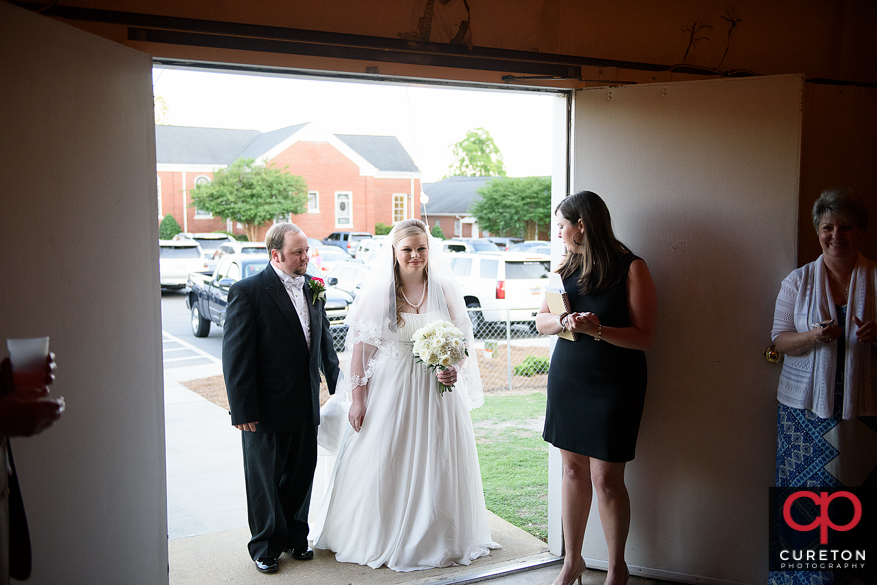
(250, 426)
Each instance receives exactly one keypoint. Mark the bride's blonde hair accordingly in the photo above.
(406, 229)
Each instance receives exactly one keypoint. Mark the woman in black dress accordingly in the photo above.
(596, 385)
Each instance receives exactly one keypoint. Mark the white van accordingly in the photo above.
(176, 259)
(501, 285)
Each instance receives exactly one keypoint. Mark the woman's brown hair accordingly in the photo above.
(600, 254)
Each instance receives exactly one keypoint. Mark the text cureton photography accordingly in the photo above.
(822, 528)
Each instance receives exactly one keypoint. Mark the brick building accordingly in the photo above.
(450, 207)
(353, 181)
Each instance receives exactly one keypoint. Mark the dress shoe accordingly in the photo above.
(301, 553)
(266, 565)
(576, 577)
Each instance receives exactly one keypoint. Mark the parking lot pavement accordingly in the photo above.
(205, 475)
(180, 353)
(205, 479)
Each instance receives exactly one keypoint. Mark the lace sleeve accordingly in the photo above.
(365, 359)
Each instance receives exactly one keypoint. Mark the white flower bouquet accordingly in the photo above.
(439, 345)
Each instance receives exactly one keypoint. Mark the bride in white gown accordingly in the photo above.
(406, 489)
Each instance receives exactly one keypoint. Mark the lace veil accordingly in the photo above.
(373, 337)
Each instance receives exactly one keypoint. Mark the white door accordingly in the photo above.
(80, 264)
(701, 179)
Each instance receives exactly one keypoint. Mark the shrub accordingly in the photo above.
(531, 366)
(382, 229)
(168, 228)
(437, 232)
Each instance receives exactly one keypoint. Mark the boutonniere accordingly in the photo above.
(318, 287)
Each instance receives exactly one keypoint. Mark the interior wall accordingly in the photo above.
(701, 179)
(79, 260)
(819, 38)
(839, 150)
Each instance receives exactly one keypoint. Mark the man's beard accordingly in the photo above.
(300, 271)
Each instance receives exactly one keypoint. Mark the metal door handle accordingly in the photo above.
(772, 355)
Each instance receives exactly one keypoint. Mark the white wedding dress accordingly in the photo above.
(406, 490)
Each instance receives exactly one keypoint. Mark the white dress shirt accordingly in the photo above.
(296, 295)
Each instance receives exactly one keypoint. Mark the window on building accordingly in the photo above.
(313, 202)
(458, 227)
(200, 213)
(158, 192)
(343, 211)
(399, 207)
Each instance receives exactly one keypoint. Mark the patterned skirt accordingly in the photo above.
(825, 452)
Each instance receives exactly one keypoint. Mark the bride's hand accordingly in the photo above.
(447, 377)
(356, 414)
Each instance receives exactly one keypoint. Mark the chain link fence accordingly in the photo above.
(512, 355)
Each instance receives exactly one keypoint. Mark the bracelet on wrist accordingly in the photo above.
(599, 335)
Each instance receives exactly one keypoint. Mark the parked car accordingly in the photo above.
(239, 248)
(315, 243)
(533, 248)
(207, 293)
(345, 279)
(210, 242)
(348, 277)
(325, 258)
(347, 241)
(478, 244)
(503, 243)
(524, 246)
(176, 259)
(368, 248)
(455, 246)
(543, 249)
(494, 284)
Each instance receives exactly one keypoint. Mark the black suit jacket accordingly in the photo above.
(270, 374)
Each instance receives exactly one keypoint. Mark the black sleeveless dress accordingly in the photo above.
(596, 390)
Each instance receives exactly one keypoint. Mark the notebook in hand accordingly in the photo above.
(558, 304)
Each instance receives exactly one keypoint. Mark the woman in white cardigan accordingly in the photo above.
(824, 323)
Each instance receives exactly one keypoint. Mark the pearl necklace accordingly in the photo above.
(422, 296)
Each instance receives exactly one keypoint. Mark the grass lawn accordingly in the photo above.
(514, 459)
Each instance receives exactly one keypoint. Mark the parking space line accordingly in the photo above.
(180, 359)
(200, 352)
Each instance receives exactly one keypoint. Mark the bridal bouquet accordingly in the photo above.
(439, 345)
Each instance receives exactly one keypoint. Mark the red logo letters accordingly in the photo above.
(823, 522)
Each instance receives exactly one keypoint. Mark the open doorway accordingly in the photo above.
(274, 118)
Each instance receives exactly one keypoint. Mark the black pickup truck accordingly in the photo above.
(207, 294)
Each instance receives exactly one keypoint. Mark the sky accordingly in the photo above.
(427, 120)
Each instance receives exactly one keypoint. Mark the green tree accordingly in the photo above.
(437, 232)
(251, 194)
(477, 156)
(514, 207)
(162, 111)
(382, 229)
(168, 228)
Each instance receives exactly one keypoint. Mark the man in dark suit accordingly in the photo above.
(276, 341)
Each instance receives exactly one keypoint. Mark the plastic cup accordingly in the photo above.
(28, 359)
